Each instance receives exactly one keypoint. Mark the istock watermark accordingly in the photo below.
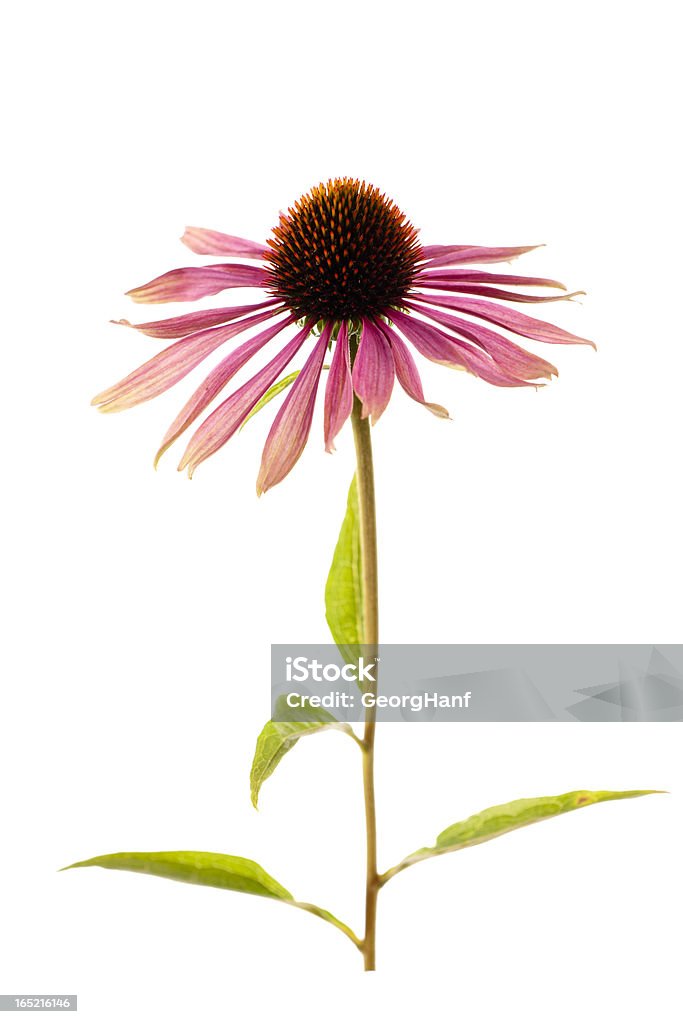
(301, 669)
(412, 702)
(479, 682)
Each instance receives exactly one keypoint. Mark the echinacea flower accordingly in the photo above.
(346, 267)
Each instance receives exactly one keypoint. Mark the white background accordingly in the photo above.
(141, 606)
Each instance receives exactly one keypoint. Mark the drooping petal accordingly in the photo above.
(214, 243)
(216, 381)
(408, 374)
(339, 389)
(166, 368)
(291, 427)
(187, 283)
(450, 255)
(441, 348)
(498, 293)
(373, 371)
(441, 278)
(518, 323)
(508, 355)
(477, 282)
(179, 326)
(226, 419)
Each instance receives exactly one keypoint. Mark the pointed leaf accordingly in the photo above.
(272, 393)
(216, 869)
(344, 589)
(220, 870)
(497, 821)
(277, 738)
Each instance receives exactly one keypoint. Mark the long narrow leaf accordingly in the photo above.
(270, 394)
(219, 870)
(344, 589)
(497, 821)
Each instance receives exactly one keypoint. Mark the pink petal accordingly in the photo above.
(339, 390)
(458, 276)
(448, 255)
(292, 425)
(215, 243)
(503, 351)
(497, 293)
(373, 371)
(179, 326)
(518, 323)
(187, 283)
(440, 348)
(166, 368)
(430, 252)
(407, 373)
(216, 381)
(226, 419)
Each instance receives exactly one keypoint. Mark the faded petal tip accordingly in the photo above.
(205, 242)
(438, 410)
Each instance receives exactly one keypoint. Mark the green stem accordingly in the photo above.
(368, 545)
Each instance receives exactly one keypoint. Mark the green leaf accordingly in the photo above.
(219, 870)
(277, 739)
(497, 821)
(270, 394)
(344, 589)
(216, 869)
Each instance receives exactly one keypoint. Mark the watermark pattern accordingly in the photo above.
(479, 683)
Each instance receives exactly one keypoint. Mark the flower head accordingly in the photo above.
(345, 267)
